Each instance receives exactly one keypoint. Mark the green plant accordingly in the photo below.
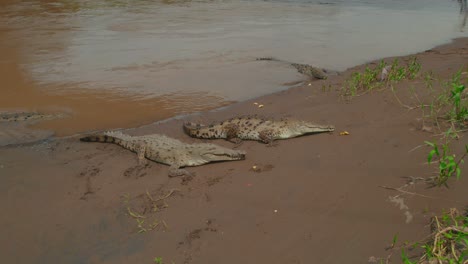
(405, 258)
(447, 163)
(459, 112)
(413, 68)
(448, 242)
(158, 260)
(397, 72)
(370, 78)
(394, 241)
(364, 81)
(428, 78)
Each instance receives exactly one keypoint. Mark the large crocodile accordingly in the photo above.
(168, 151)
(255, 128)
(306, 69)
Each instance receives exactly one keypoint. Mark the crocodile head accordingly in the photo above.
(217, 153)
(303, 127)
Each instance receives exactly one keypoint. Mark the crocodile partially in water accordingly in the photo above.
(169, 151)
(306, 69)
(15, 127)
(27, 116)
(255, 128)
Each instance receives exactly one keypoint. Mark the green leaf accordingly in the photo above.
(405, 258)
(465, 240)
(442, 165)
(458, 173)
(395, 238)
(431, 154)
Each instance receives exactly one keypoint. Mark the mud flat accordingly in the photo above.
(312, 199)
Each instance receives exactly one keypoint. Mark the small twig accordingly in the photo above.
(456, 131)
(406, 192)
(415, 148)
(165, 225)
(134, 215)
(417, 194)
(160, 198)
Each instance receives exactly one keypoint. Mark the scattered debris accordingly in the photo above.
(384, 74)
(344, 133)
(261, 168)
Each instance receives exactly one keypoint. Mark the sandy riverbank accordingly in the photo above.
(316, 200)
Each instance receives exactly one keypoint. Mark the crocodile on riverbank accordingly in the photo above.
(27, 116)
(168, 151)
(306, 69)
(255, 128)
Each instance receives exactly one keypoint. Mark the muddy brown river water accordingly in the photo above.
(111, 64)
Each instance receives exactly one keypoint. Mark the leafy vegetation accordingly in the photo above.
(381, 76)
(147, 221)
(448, 242)
(448, 164)
(459, 109)
(448, 104)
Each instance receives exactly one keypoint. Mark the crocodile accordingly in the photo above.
(27, 116)
(306, 69)
(255, 128)
(169, 151)
(15, 127)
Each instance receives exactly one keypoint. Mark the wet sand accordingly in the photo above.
(316, 199)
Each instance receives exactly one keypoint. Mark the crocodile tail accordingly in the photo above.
(100, 138)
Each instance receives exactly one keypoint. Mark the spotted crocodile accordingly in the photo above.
(27, 116)
(255, 128)
(306, 69)
(169, 151)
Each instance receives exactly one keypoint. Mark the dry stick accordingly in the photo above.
(417, 194)
(161, 198)
(415, 148)
(165, 225)
(133, 214)
(456, 131)
(445, 230)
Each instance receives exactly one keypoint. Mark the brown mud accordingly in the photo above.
(312, 199)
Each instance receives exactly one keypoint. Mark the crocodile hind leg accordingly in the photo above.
(267, 137)
(176, 171)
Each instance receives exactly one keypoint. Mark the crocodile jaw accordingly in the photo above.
(309, 128)
(223, 155)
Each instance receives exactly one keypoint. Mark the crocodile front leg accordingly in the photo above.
(232, 132)
(236, 141)
(141, 151)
